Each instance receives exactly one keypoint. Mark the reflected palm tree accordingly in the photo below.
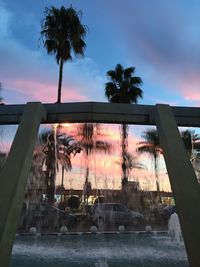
(152, 146)
(63, 34)
(90, 135)
(131, 163)
(191, 141)
(57, 149)
(123, 87)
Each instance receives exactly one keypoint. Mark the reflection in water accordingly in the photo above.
(92, 156)
(99, 162)
(91, 142)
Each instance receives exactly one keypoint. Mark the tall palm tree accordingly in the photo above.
(152, 146)
(62, 33)
(123, 87)
(57, 149)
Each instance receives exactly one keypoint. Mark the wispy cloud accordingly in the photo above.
(32, 73)
(162, 39)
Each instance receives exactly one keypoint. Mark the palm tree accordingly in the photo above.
(152, 146)
(123, 87)
(191, 141)
(90, 143)
(57, 149)
(62, 33)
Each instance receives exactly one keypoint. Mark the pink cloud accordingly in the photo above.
(190, 88)
(45, 92)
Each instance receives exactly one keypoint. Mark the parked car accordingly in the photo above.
(45, 216)
(112, 213)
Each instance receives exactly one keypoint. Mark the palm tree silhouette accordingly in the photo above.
(57, 149)
(62, 33)
(123, 87)
(152, 146)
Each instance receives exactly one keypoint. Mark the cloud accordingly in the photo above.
(26, 71)
(190, 86)
(34, 74)
(162, 40)
(4, 21)
(44, 92)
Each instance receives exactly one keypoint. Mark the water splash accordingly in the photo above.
(174, 228)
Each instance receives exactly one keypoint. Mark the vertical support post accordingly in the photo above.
(183, 181)
(14, 176)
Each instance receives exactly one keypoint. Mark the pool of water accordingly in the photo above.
(98, 250)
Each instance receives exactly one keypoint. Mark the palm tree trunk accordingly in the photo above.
(62, 181)
(124, 148)
(86, 183)
(156, 174)
(62, 185)
(60, 81)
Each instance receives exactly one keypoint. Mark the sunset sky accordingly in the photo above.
(160, 38)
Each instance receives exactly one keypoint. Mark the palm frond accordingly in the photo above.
(110, 90)
(63, 26)
(129, 72)
(136, 81)
(151, 144)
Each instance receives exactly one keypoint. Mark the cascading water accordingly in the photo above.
(82, 241)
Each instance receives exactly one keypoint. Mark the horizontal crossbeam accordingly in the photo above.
(101, 112)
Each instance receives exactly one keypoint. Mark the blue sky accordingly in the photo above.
(160, 38)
